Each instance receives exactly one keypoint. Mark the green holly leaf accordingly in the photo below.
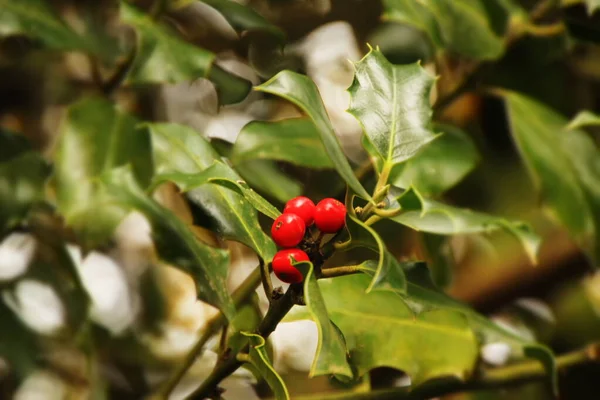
(564, 166)
(392, 104)
(220, 174)
(584, 119)
(266, 177)
(472, 28)
(18, 344)
(440, 165)
(179, 153)
(331, 356)
(244, 19)
(37, 19)
(434, 217)
(174, 241)
(301, 91)
(260, 361)
(421, 294)
(163, 57)
(381, 329)
(294, 140)
(387, 267)
(95, 137)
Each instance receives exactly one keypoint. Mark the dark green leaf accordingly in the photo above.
(266, 177)
(382, 330)
(260, 360)
(220, 174)
(294, 140)
(94, 138)
(175, 242)
(244, 19)
(387, 267)
(472, 28)
(331, 356)
(584, 119)
(392, 104)
(301, 91)
(545, 356)
(438, 218)
(18, 344)
(12, 145)
(180, 151)
(440, 165)
(564, 165)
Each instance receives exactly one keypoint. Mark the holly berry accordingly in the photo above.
(330, 215)
(283, 268)
(288, 230)
(302, 207)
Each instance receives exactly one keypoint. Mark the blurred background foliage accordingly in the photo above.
(106, 318)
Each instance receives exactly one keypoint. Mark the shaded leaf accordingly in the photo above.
(219, 174)
(440, 165)
(386, 268)
(175, 242)
(564, 166)
(584, 119)
(473, 28)
(94, 138)
(391, 102)
(434, 217)
(244, 19)
(331, 355)
(266, 177)
(18, 344)
(382, 330)
(12, 145)
(260, 360)
(294, 140)
(301, 91)
(180, 152)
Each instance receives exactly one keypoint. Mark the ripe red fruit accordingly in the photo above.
(288, 230)
(283, 268)
(330, 215)
(302, 207)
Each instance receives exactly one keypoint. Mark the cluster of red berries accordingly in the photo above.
(289, 229)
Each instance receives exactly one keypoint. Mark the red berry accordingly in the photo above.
(330, 215)
(288, 230)
(302, 207)
(283, 268)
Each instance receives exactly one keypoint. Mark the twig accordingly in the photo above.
(265, 277)
(340, 271)
(120, 73)
(511, 375)
(279, 308)
(242, 293)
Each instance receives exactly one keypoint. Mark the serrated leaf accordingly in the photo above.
(95, 137)
(244, 19)
(440, 165)
(434, 217)
(174, 241)
(219, 174)
(421, 294)
(180, 151)
(584, 119)
(564, 166)
(163, 57)
(472, 28)
(303, 92)
(294, 140)
(260, 360)
(331, 355)
(391, 102)
(36, 19)
(382, 330)
(387, 267)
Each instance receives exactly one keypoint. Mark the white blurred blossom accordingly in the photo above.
(16, 252)
(134, 231)
(538, 308)
(496, 354)
(106, 284)
(37, 305)
(42, 385)
(295, 344)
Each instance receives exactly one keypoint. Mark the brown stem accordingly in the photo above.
(340, 271)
